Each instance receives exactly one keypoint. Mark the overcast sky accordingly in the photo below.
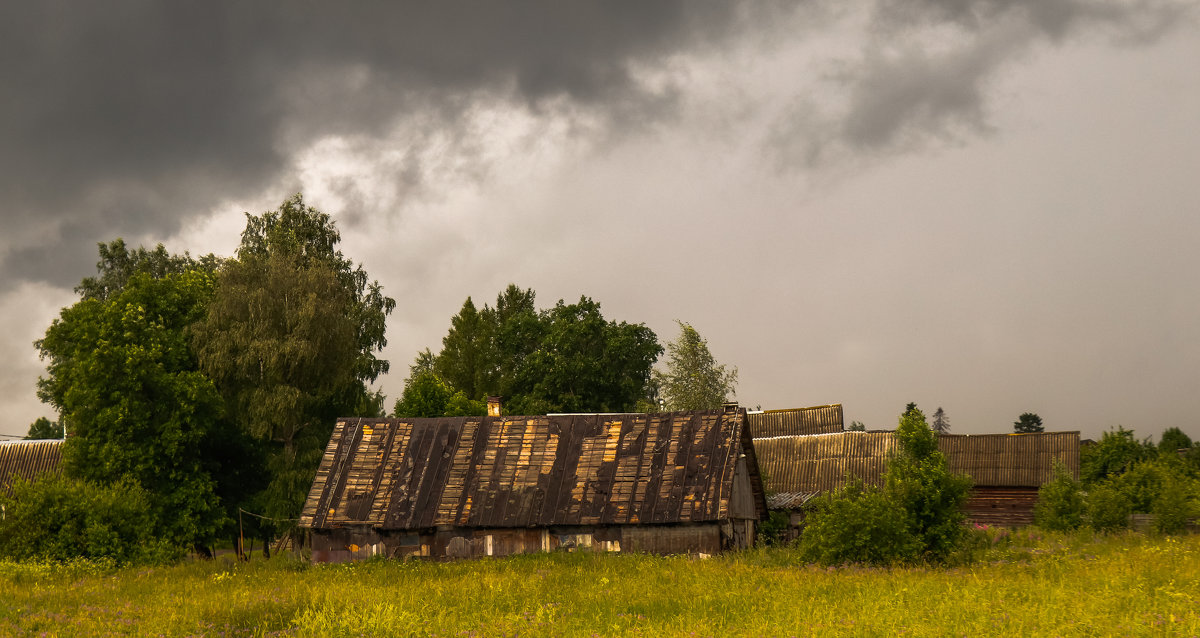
(991, 206)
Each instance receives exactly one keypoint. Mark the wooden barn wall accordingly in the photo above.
(525, 472)
(821, 419)
(815, 464)
(361, 542)
(28, 459)
(1001, 506)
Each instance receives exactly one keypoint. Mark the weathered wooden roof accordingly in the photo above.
(794, 465)
(517, 471)
(820, 419)
(27, 459)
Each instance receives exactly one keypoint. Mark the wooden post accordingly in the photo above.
(241, 538)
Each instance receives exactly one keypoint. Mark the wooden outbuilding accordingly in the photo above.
(498, 485)
(27, 460)
(1007, 468)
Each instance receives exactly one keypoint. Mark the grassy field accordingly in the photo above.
(1027, 585)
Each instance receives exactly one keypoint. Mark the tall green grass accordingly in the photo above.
(1024, 584)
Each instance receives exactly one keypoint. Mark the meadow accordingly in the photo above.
(1027, 583)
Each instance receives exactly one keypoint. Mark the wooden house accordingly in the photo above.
(497, 485)
(820, 419)
(26, 460)
(1007, 468)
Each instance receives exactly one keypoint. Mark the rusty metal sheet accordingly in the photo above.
(510, 472)
(820, 419)
(819, 463)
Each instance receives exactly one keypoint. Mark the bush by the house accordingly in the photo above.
(916, 515)
(1108, 507)
(60, 519)
(1060, 502)
(857, 524)
(1174, 505)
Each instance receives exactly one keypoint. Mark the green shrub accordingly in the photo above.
(1060, 502)
(1108, 507)
(917, 515)
(773, 531)
(1116, 453)
(1173, 506)
(857, 524)
(1143, 482)
(919, 481)
(60, 519)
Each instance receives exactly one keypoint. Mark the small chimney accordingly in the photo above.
(729, 407)
(493, 406)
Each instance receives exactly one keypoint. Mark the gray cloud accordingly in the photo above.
(132, 118)
(926, 72)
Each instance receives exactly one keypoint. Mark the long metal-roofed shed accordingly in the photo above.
(1007, 468)
(498, 485)
(27, 460)
(819, 419)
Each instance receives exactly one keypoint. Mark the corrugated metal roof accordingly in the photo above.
(517, 471)
(1011, 460)
(27, 459)
(814, 464)
(820, 419)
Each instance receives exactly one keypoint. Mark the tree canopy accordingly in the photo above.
(213, 384)
(1028, 423)
(427, 395)
(568, 358)
(290, 339)
(693, 379)
(121, 373)
(43, 428)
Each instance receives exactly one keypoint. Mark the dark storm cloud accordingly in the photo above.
(927, 68)
(130, 118)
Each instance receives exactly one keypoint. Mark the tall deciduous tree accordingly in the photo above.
(1027, 423)
(290, 339)
(693, 379)
(121, 373)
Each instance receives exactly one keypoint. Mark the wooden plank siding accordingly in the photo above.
(820, 419)
(27, 460)
(400, 476)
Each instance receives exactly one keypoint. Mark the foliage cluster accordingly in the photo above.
(567, 358)
(212, 384)
(693, 379)
(915, 516)
(1028, 423)
(43, 428)
(1121, 476)
(428, 395)
(59, 519)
